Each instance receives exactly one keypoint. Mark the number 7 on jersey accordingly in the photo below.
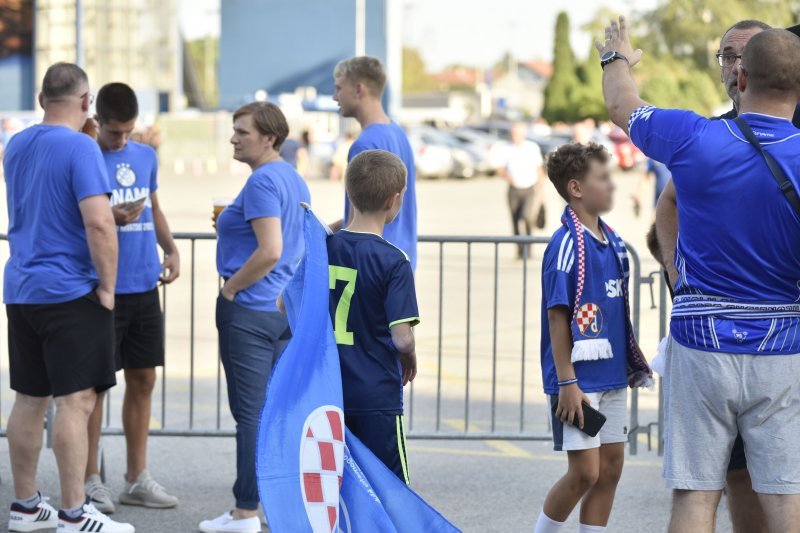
(337, 273)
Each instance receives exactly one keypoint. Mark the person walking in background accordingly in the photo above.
(523, 171)
(141, 226)
(59, 294)
(660, 172)
(359, 86)
(259, 245)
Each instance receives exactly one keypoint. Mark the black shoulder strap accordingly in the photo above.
(786, 186)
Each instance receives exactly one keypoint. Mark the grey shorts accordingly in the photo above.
(710, 397)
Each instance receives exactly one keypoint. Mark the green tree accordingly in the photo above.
(561, 90)
(204, 55)
(589, 99)
(415, 75)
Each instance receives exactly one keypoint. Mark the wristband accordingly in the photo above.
(567, 382)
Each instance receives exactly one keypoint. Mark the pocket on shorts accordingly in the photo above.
(92, 297)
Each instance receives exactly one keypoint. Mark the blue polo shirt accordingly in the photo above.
(272, 190)
(402, 232)
(48, 171)
(133, 174)
(372, 289)
(737, 256)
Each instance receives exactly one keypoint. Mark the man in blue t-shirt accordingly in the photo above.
(59, 294)
(142, 227)
(373, 308)
(359, 85)
(732, 359)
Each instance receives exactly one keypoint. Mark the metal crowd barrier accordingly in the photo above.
(483, 391)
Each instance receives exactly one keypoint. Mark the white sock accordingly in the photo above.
(545, 524)
(584, 528)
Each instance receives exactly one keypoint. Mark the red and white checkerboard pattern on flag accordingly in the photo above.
(321, 466)
(585, 316)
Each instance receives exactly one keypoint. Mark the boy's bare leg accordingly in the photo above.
(694, 511)
(583, 473)
(596, 506)
(747, 516)
(782, 511)
(136, 410)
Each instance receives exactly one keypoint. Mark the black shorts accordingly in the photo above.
(738, 459)
(59, 349)
(385, 436)
(140, 330)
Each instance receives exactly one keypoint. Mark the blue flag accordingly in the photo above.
(308, 479)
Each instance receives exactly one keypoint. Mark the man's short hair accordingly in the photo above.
(363, 69)
(117, 101)
(571, 161)
(62, 80)
(268, 119)
(771, 63)
(748, 24)
(372, 177)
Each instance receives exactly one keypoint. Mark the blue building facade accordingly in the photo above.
(279, 45)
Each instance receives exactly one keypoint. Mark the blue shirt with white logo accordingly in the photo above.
(737, 256)
(48, 171)
(372, 289)
(559, 283)
(402, 232)
(272, 190)
(132, 174)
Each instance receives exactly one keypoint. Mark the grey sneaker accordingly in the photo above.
(99, 495)
(147, 493)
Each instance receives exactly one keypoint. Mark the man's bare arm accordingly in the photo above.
(619, 88)
(101, 235)
(667, 229)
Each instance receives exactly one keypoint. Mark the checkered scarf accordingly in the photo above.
(593, 347)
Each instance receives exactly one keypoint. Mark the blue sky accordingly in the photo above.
(475, 32)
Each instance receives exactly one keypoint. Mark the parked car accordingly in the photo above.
(430, 146)
(489, 149)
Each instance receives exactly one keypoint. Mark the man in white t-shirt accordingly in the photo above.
(523, 170)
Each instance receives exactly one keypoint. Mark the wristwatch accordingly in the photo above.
(610, 57)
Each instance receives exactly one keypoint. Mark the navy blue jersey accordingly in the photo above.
(559, 282)
(738, 288)
(372, 289)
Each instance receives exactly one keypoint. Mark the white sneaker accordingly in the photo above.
(91, 520)
(226, 524)
(43, 516)
(147, 493)
(99, 495)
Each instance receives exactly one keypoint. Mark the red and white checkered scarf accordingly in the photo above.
(589, 341)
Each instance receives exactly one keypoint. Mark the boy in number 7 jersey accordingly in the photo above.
(373, 307)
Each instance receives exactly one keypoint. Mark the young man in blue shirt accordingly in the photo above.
(59, 295)
(589, 354)
(732, 357)
(360, 82)
(373, 307)
(141, 225)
